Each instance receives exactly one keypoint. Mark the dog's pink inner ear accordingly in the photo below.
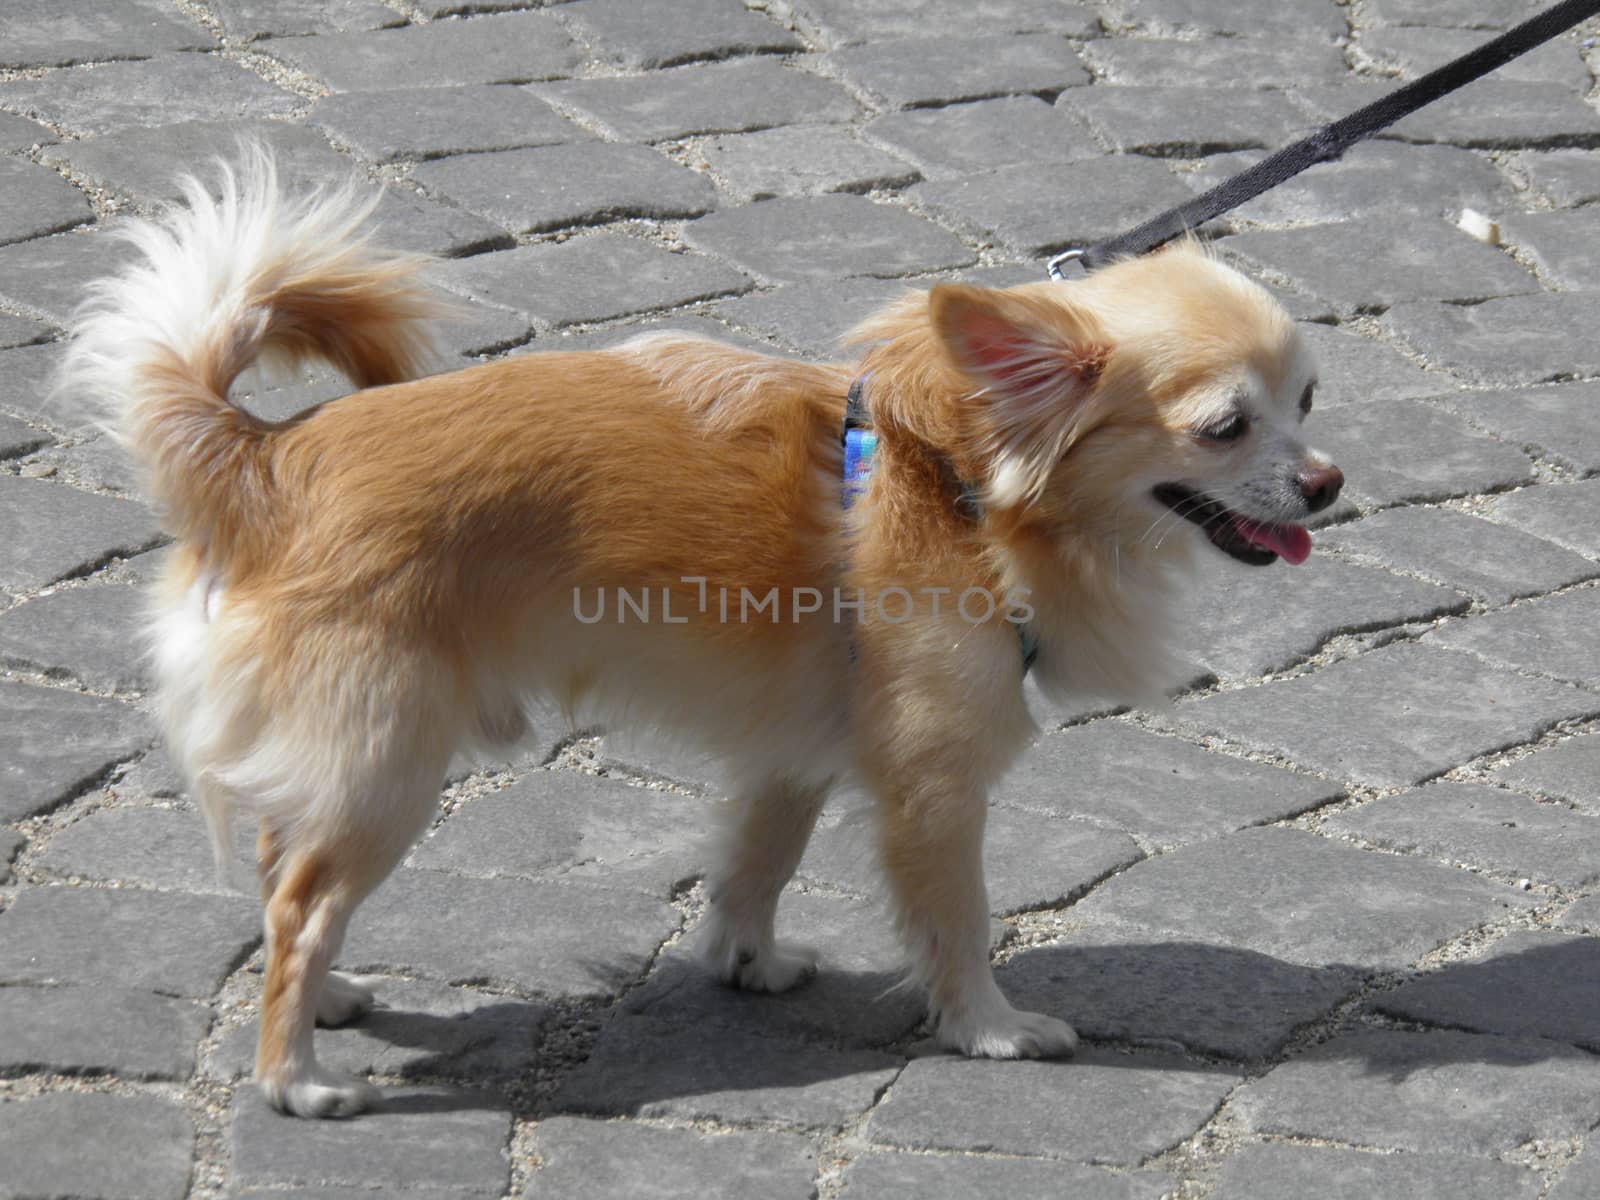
(1016, 358)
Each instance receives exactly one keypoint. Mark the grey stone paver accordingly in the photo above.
(155, 91)
(498, 48)
(449, 1143)
(1264, 61)
(803, 159)
(652, 1068)
(11, 843)
(983, 136)
(1301, 898)
(428, 122)
(622, 275)
(151, 941)
(47, 277)
(592, 1159)
(1531, 984)
(1003, 205)
(1383, 261)
(824, 236)
(1561, 514)
(1317, 19)
(39, 201)
(1567, 177)
(1414, 50)
(850, 1001)
(94, 1030)
(147, 164)
(711, 98)
(22, 331)
(251, 19)
(1497, 113)
(573, 939)
(57, 33)
(153, 847)
(1254, 623)
(1102, 1107)
(1352, 369)
(1508, 340)
(1134, 986)
(54, 743)
(638, 36)
(1493, 563)
(407, 222)
(1561, 245)
(1452, 14)
(551, 187)
(1032, 860)
(1543, 635)
(1183, 122)
(1397, 715)
(846, 22)
(899, 1176)
(770, 175)
(54, 531)
(936, 70)
(1491, 113)
(1436, 1090)
(1483, 828)
(418, 1030)
(1439, 181)
(1556, 422)
(1161, 788)
(1336, 1173)
(27, 375)
(17, 438)
(813, 317)
(19, 133)
(91, 1145)
(91, 633)
(559, 822)
(1567, 770)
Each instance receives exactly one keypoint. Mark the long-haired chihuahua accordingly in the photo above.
(659, 535)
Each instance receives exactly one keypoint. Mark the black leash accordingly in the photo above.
(1332, 140)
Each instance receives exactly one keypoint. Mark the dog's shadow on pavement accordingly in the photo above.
(681, 1043)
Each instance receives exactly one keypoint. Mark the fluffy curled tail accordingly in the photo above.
(235, 274)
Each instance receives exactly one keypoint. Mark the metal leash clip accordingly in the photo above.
(1055, 264)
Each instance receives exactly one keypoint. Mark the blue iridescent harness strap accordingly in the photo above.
(860, 445)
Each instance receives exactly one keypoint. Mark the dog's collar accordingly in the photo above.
(860, 442)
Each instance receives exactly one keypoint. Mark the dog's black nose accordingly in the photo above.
(1320, 486)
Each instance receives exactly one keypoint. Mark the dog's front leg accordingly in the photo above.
(933, 853)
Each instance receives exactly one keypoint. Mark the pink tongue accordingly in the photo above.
(1289, 542)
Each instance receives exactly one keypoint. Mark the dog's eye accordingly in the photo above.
(1229, 430)
(1305, 398)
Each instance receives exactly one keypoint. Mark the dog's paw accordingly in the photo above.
(342, 1000)
(776, 969)
(1011, 1033)
(320, 1093)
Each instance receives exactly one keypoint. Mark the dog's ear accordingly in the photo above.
(1034, 362)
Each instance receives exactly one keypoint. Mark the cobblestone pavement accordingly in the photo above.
(1330, 926)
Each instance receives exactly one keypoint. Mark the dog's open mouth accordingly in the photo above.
(1253, 542)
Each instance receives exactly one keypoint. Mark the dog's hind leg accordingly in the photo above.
(317, 878)
(343, 998)
(764, 837)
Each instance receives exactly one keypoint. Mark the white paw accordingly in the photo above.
(320, 1093)
(342, 1000)
(1009, 1033)
(777, 968)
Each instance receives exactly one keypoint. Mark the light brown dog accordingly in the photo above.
(362, 591)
